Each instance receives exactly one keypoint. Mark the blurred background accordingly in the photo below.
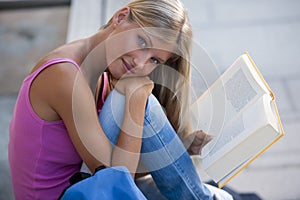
(268, 29)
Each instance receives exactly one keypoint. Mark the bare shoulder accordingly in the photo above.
(53, 88)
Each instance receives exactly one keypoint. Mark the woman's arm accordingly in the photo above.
(71, 98)
(136, 90)
(67, 93)
(128, 147)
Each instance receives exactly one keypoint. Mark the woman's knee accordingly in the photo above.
(115, 103)
(111, 115)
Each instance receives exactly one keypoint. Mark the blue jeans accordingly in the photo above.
(162, 152)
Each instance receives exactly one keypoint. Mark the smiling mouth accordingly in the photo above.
(126, 66)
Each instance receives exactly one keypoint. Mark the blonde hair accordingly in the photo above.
(171, 90)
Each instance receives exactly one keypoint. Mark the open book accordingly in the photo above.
(239, 110)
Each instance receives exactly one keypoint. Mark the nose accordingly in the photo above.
(141, 58)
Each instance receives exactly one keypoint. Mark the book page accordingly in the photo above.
(238, 91)
(241, 86)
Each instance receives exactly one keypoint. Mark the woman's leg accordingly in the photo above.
(162, 152)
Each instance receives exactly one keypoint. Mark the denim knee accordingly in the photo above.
(111, 115)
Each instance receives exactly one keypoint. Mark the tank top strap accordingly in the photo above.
(52, 62)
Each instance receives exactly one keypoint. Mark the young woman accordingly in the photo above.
(55, 124)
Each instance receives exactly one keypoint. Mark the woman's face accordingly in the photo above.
(130, 50)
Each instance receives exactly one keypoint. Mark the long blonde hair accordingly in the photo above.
(171, 89)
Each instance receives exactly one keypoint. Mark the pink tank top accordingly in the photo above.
(104, 86)
(41, 155)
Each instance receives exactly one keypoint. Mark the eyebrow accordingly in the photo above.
(162, 61)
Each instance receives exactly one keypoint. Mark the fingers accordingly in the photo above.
(200, 137)
(197, 141)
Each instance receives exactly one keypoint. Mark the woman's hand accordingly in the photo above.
(195, 141)
(139, 86)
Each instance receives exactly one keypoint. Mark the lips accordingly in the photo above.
(126, 65)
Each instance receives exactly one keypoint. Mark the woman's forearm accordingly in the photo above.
(127, 149)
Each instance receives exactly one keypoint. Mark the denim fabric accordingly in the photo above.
(162, 153)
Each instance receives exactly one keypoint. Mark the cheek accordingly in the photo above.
(119, 45)
(115, 69)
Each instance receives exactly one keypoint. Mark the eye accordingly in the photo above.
(142, 42)
(155, 60)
